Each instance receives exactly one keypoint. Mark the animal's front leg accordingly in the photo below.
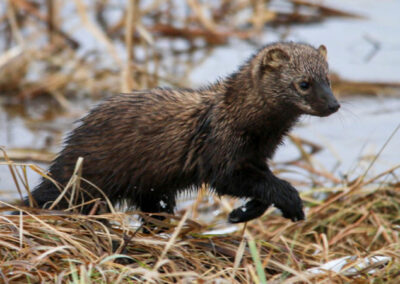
(286, 198)
(274, 191)
(264, 189)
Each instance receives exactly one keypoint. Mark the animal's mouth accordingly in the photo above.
(321, 109)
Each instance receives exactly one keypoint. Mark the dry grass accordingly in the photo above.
(358, 220)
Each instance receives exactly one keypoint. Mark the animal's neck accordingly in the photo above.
(254, 112)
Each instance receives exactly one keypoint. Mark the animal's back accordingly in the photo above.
(133, 144)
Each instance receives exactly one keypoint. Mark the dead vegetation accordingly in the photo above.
(355, 224)
(45, 55)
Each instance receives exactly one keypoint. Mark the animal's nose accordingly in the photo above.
(333, 107)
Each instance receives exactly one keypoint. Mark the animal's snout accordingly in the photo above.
(334, 106)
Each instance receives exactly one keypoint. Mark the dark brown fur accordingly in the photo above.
(146, 146)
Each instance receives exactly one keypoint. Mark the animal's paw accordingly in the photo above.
(291, 204)
(294, 214)
(249, 211)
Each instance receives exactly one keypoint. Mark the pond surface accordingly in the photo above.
(359, 49)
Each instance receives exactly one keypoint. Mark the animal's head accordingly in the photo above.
(297, 75)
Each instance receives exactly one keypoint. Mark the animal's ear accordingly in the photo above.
(275, 58)
(322, 49)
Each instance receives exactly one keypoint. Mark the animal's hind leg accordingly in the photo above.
(156, 203)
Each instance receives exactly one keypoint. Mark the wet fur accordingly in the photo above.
(147, 146)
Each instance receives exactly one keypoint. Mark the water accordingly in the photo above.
(350, 138)
(353, 136)
(349, 41)
(358, 131)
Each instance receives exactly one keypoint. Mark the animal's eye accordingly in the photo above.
(304, 85)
